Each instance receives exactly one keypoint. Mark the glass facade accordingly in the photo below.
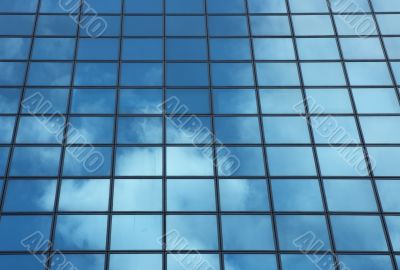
(200, 134)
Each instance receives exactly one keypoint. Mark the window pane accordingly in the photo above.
(335, 129)
(234, 101)
(282, 101)
(190, 195)
(192, 130)
(36, 100)
(50, 6)
(287, 161)
(297, 195)
(19, 6)
(6, 129)
(80, 232)
(243, 195)
(330, 74)
(361, 48)
(378, 129)
(242, 232)
(80, 261)
(321, 25)
(320, 101)
(102, 6)
(186, 49)
(56, 25)
(21, 262)
(230, 49)
(360, 25)
(185, 26)
(16, 24)
(134, 161)
(296, 262)
(227, 26)
(200, 232)
(84, 195)
(388, 24)
(13, 73)
(3, 159)
(143, 25)
(98, 49)
(366, 262)
(175, 261)
(237, 129)
(139, 130)
(91, 74)
(97, 101)
(9, 100)
(40, 129)
(249, 261)
(184, 6)
(137, 6)
(137, 195)
(270, 25)
(187, 74)
(317, 49)
(286, 130)
(140, 101)
(30, 195)
(141, 74)
(233, 74)
(273, 49)
(142, 49)
(222, 6)
(35, 161)
(135, 261)
(308, 6)
(391, 44)
(393, 223)
(14, 48)
(292, 228)
(277, 74)
(240, 161)
(368, 73)
(388, 194)
(42, 73)
(90, 130)
(350, 195)
(13, 229)
(189, 161)
(384, 159)
(362, 233)
(53, 48)
(266, 6)
(190, 101)
(140, 232)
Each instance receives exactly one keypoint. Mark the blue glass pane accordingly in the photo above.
(235, 101)
(37, 101)
(30, 195)
(98, 49)
(360, 25)
(222, 6)
(187, 74)
(141, 74)
(388, 24)
(135, 261)
(193, 130)
(368, 73)
(40, 129)
(84, 195)
(249, 261)
(113, 26)
(387, 6)
(3, 159)
(233, 74)
(177, 262)
(189, 101)
(19, 6)
(90, 130)
(142, 49)
(196, 161)
(335, 129)
(143, 25)
(388, 194)
(95, 74)
(140, 101)
(185, 26)
(227, 26)
(230, 49)
(365, 262)
(342, 161)
(396, 71)
(243, 195)
(240, 161)
(136, 232)
(270, 25)
(56, 25)
(286, 130)
(359, 5)
(33, 231)
(53, 48)
(35, 161)
(14, 48)
(16, 24)
(308, 6)
(321, 25)
(97, 101)
(305, 262)
(391, 44)
(230, 130)
(186, 49)
(380, 129)
(320, 101)
(361, 48)
(54, 74)
(287, 161)
(79, 232)
(292, 231)
(138, 6)
(282, 101)
(200, 232)
(79, 261)
(350, 195)
(273, 49)
(297, 195)
(315, 74)
(13, 73)
(85, 161)
(190, 195)
(393, 224)
(6, 129)
(385, 160)
(362, 233)
(267, 6)
(102, 6)
(21, 262)
(51, 6)
(9, 100)
(317, 49)
(184, 6)
(133, 161)
(242, 232)
(137, 195)
(277, 74)
(139, 130)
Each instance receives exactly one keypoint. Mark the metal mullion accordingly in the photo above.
(164, 141)
(313, 144)
(362, 140)
(218, 214)
(64, 145)
(263, 142)
(110, 212)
